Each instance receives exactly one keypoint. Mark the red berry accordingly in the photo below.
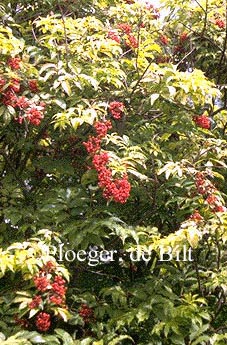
(102, 128)
(220, 23)
(164, 39)
(196, 216)
(202, 121)
(92, 145)
(36, 301)
(43, 322)
(116, 109)
(33, 85)
(41, 283)
(132, 41)
(183, 37)
(113, 36)
(14, 63)
(126, 28)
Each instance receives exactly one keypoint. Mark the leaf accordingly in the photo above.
(193, 236)
(37, 339)
(67, 339)
(66, 87)
(116, 341)
(154, 98)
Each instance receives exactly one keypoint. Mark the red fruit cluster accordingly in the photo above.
(51, 289)
(202, 121)
(118, 189)
(92, 145)
(183, 37)
(14, 63)
(132, 41)
(11, 95)
(113, 36)
(102, 128)
(208, 190)
(220, 23)
(33, 85)
(43, 322)
(35, 303)
(86, 313)
(113, 189)
(164, 39)
(58, 286)
(126, 28)
(196, 216)
(116, 109)
(41, 283)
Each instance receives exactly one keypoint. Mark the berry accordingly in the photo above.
(22, 102)
(116, 109)
(220, 23)
(211, 199)
(220, 208)
(56, 299)
(196, 216)
(33, 85)
(36, 301)
(126, 28)
(102, 128)
(41, 283)
(132, 41)
(86, 313)
(14, 63)
(49, 266)
(100, 161)
(113, 36)
(43, 322)
(15, 85)
(164, 39)
(2, 83)
(202, 121)
(183, 37)
(34, 115)
(92, 145)
(9, 98)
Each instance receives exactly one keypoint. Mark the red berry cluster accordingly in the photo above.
(132, 41)
(210, 193)
(220, 23)
(14, 63)
(164, 39)
(183, 37)
(114, 36)
(125, 29)
(113, 189)
(196, 216)
(50, 294)
(116, 109)
(202, 121)
(86, 313)
(12, 95)
(43, 322)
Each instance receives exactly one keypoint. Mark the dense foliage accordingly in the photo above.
(112, 152)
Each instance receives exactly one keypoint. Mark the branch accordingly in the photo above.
(223, 50)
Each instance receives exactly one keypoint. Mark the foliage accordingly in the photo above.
(113, 171)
